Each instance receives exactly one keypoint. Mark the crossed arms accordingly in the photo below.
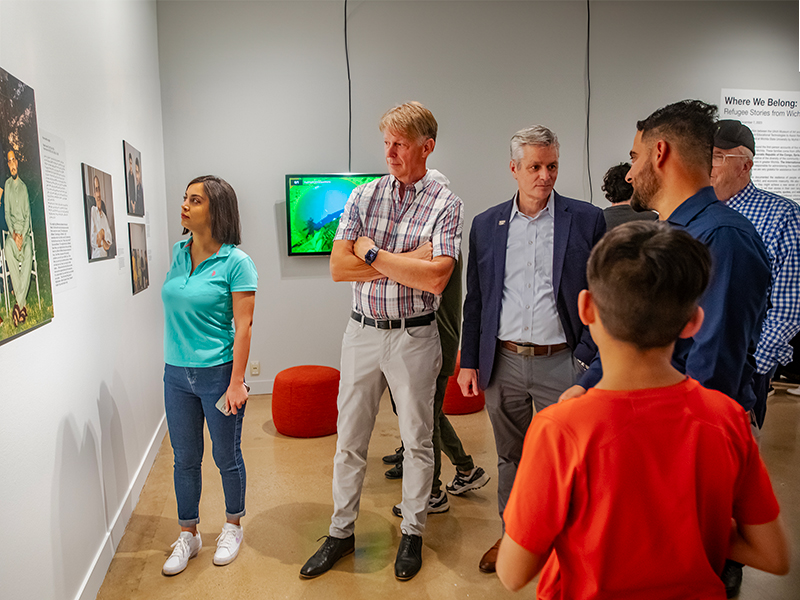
(417, 269)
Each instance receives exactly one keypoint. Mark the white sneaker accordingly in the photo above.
(186, 547)
(794, 391)
(464, 482)
(436, 504)
(228, 544)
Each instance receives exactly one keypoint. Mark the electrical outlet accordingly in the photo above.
(255, 368)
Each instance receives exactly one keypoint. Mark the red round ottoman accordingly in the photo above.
(456, 403)
(304, 401)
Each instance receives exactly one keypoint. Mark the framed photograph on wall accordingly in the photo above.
(133, 180)
(140, 274)
(98, 206)
(26, 298)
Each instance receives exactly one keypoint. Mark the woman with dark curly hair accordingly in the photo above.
(618, 192)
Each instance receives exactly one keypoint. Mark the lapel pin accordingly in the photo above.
(503, 222)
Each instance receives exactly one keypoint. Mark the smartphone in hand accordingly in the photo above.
(222, 405)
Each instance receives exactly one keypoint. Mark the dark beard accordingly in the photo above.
(646, 187)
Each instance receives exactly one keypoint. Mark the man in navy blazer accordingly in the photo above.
(522, 339)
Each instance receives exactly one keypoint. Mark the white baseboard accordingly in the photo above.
(99, 568)
(261, 386)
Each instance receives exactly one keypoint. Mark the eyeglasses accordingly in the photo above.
(717, 160)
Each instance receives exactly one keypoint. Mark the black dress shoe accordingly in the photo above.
(332, 549)
(732, 578)
(396, 472)
(393, 459)
(409, 557)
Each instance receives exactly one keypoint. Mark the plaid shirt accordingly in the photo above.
(777, 220)
(428, 212)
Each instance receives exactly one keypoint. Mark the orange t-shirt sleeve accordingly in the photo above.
(754, 502)
(540, 499)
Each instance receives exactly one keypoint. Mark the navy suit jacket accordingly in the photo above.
(578, 226)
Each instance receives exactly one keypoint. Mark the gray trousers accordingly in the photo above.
(409, 361)
(445, 438)
(519, 387)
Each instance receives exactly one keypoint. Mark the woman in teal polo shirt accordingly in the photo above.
(209, 296)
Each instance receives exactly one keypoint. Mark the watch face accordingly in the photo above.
(370, 256)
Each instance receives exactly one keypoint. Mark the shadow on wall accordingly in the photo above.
(77, 522)
(116, 478)
(296, 267)
(89, 489)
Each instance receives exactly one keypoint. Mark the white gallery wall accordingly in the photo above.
(82, 399)
(254, 90)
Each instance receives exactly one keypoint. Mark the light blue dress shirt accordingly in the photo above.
(528, 313)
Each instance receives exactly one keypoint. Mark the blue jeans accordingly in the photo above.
(190, 397)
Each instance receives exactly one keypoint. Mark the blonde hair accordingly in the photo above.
(412, 120)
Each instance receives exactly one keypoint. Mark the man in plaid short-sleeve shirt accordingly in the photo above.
(397, 243)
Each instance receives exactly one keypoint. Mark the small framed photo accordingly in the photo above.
(98, 205)
(140, 274)
(133, 180)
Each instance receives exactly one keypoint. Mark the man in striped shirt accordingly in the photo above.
(397, 243)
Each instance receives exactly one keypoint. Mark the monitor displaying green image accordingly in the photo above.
(314, 205)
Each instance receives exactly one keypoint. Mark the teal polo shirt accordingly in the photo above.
(198, 307)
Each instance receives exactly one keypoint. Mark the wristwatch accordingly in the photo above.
(371, 255)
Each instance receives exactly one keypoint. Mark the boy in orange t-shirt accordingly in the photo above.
(643, 486)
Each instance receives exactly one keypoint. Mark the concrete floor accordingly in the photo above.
(289, 507)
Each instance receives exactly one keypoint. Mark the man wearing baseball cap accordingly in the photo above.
(777, 221)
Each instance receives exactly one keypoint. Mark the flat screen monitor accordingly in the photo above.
(314, 205)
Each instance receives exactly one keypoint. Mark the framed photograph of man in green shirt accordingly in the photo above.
(26, 299)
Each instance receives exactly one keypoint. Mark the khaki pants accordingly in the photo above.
(409, 360)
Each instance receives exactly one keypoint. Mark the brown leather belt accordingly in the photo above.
(534, 349)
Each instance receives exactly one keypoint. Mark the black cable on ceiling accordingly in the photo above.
(588, 97)
(349, 97)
